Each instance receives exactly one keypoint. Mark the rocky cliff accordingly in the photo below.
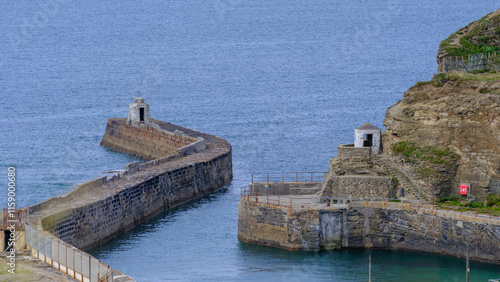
(447, 131)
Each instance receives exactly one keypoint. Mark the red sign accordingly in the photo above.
(464, 189)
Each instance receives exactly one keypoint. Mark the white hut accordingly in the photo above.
(367, 135)
(138, 112)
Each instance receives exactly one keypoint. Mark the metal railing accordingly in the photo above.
(479, 61)
(66, 258)
(309, 201)
(288, 177)
(312, 201)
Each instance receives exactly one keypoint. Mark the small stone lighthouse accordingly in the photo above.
(138, 113)
(367, 135)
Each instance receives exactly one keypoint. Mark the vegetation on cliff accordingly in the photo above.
(481, 36)
(428, 161)
(439, 79)
(489, 206)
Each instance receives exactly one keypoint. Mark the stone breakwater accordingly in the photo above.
(384, 225)
(193, 165)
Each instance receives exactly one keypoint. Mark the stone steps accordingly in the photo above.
(403, 179)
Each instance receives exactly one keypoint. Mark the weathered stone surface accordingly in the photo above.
(98, 210)
(403, 228)
(461, 116)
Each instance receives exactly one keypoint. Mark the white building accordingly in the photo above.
(367, 135)
(138, 112)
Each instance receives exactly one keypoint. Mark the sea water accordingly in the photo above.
(284, 81)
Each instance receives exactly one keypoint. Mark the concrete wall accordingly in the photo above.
(360, 186)
(348, 151)
(142, 141)
(382, 225)
(100, 209)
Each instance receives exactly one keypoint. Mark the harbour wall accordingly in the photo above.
(144, 141)
(101, 209)
(386, 225)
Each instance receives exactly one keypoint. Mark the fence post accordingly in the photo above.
(278, 200)
(290, 202)
(44, 249)
(58, 257)
(90, 269)
(311, 177)
(296, 177)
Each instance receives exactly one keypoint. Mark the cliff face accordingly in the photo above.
(458, 115)
(447, 131)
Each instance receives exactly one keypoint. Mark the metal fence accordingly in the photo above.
(288, 177)
(314, 201)
(66, 258)
(472, 62)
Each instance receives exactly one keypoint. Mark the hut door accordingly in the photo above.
(141, 114)
(368, 142)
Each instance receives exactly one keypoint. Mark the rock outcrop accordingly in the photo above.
(451, 113)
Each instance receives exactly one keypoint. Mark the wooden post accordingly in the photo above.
(370, 268)
(467, 266)
(90, 268)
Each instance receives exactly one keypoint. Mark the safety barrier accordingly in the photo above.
(472, 62)
(316, 202)
(66, 258)
(288, 177)
(311, 201)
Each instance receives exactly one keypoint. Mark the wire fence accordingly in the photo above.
(66, 258)
(288, 177)
(479, 61)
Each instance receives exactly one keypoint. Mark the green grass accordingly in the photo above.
(441, 79)
(492, 206)
(426, 159)
(467, 48)
(482, 43)
(413, 152)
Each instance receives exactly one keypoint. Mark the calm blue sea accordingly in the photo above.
(284, 81)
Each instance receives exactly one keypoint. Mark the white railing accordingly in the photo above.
(66, 258)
